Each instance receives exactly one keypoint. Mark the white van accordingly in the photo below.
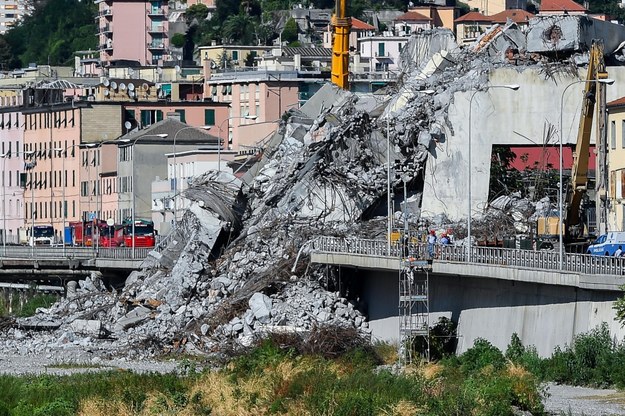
(607, 244)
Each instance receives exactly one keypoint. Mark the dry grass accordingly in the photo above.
(431, 371)
(103, 407)
(403, 408)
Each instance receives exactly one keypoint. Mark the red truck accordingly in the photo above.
(144, 234)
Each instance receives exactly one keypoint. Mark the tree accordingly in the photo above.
(239, 29)
(196, 14)
(178, 40)
(504, 179)
(289, 33)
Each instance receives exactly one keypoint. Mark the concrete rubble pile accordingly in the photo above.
(229, 272)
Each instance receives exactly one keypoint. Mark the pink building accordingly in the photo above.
(258, 100)
(12, 208)
(133, 30)
(51, 138)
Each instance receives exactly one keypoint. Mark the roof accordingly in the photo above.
(412, 17)
(59, 84)
(171, 127)
(561, 6)
(474, 17)
(516, 15)
(306, 52)
(360, 25)
(616, 103)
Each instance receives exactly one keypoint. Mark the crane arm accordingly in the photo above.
(593, 90)
(341, 24)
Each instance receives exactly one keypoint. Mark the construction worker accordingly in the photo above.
(431, 243)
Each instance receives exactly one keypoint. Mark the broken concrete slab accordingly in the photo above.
(572, 33)
(499, 39)
(134, 317)
(87, 327)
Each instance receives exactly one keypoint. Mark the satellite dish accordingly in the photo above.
(131, 71)
(106, 82)
(131, 86)
(106, 93)
(178, 69)
(145, 86)
(128, 125)
(110, 222)
(114, 85)
(159, 70)
(131, 94)
(122, 86)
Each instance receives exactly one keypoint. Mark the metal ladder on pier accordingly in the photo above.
(414, 308)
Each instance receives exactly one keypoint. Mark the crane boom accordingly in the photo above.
(593, 90)
(341, 24)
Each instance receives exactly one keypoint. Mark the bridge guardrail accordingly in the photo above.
(84, 253)
(530, 259)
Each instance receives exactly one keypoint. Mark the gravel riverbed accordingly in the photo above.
(578, 401)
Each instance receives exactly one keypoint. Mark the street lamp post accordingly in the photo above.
(4, 204)
(219, 138)
(63, 150)
(606, 81)
(513, 87)
(389, 207)
(132, 181)
(175, 168)
(389, 220)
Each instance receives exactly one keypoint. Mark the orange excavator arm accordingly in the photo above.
(341, 25)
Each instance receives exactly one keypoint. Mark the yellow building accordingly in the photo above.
(235, 55)
(616, 164)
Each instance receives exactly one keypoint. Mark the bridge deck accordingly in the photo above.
(583, 271)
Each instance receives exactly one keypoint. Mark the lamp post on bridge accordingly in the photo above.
(175, 168)
(513, 87)
(606, 81)
(63, 152)
(132, 176)
(219, 138)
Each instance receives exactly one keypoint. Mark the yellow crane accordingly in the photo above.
(573, 228)
(341, 24)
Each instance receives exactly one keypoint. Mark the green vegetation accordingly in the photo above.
(51, 35)
(277, 378)
(27, 307)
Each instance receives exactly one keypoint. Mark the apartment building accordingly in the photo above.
(490, 7)
(11, 12)
(12, 208)
(133, 30)
(616, 164)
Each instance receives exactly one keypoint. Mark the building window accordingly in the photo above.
(150, 117)
(182, 115)
(209, 117)
(235, 55)
(381, 49)
(613, 135)
(623, 134)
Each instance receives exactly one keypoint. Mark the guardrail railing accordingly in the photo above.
(45, 252)
(527, 259)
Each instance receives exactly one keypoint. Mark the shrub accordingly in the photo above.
(482, 354)
(525, 356)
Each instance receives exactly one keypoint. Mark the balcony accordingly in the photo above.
(382, 55)
(105, 29)
(157, 29)
(156, 45)
(104, 13)
(157, 13)
(106, 47)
